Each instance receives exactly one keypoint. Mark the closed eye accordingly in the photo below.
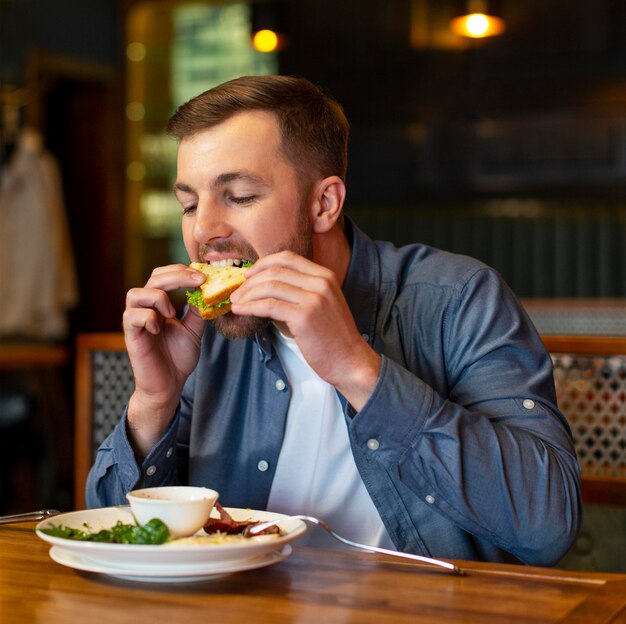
(189, 209)
(242, 200)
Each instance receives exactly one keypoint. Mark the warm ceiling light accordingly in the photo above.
(269, 25)
(265, 41)
(477, 22)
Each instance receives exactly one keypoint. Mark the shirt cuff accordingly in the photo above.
(394, 415)
(159, 466)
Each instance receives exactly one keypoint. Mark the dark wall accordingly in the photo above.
(540, 109)
(512, 149)
(88, 30)
(441, 129)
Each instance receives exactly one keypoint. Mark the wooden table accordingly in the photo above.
(310, 586)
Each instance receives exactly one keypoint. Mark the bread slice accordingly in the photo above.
(216, 290)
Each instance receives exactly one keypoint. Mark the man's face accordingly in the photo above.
(240, 199)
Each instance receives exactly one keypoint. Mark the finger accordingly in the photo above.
(193, 321)
(175, 276)
(275, 309)
(137, 320)
(316, 297)
(286, 283)
(150, 298)
(285, 259)
(273, 289)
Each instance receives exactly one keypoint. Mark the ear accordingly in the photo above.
(327, 203)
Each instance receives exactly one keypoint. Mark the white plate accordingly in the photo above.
(173, 558)
(166, 575)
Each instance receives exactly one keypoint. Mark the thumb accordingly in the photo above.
(193, 321)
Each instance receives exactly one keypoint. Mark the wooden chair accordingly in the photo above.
(590, 379)
(591, 394)
(104, 383)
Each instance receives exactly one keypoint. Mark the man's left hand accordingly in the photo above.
(306, 300)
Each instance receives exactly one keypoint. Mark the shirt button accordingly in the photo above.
(430, 499)
(151, 470)
(263, 465)
(280, 385)
(373, 444)
(366, 337)
(169, 452)
(528, 403)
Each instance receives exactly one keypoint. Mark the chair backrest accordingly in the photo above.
(104, 383)
(589, 372)
(590, 378)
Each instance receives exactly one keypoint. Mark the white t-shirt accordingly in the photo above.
(316, 474)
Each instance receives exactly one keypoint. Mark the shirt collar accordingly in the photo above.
(362, 284)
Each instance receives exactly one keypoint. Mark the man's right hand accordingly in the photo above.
(163, 352)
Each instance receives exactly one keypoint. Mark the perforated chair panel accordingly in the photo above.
(591, 393)
(113, 384)
(104, 383)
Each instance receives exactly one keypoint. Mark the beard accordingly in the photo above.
(300, 241)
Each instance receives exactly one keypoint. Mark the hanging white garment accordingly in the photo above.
(38, 284)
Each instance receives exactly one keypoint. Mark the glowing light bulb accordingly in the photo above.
(477, 25)
(265, 41)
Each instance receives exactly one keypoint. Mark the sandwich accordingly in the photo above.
(212, 298)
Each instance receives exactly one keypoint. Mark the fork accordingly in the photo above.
(42, 514)
(256, 528)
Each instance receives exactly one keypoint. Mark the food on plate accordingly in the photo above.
(222, 530)
(228, 525)
(212, 298)
(153, 532)
(218, 538)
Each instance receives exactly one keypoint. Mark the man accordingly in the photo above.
(400, 394)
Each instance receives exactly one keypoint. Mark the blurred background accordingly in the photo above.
(509, 147)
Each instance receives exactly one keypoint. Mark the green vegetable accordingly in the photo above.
(195, 299)
(153, 532)
(246, 264)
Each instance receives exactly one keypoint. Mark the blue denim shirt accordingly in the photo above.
(460, 446)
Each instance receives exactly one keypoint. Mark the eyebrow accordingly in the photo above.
(225, 178)
(221, 180)
(183, 188)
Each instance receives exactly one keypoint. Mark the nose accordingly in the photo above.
(210, 222)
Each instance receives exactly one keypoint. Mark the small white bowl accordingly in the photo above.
(184, 509)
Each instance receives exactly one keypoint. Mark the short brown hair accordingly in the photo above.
(314, 129)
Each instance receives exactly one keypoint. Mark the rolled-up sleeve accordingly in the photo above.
(486, 446)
